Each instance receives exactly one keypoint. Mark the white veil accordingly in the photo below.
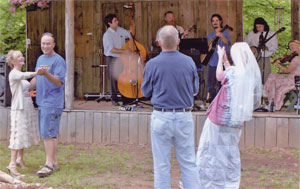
(247, 86)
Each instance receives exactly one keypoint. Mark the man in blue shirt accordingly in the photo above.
(212, 84)
(171, 79)
(51, 70)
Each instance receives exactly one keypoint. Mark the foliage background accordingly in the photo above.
(266, 9)
(12, 29)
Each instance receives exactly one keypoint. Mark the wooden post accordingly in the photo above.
(295, 18)
(70, 54)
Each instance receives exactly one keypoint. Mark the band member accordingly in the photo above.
(113, 40)
(255, 38)
(224, 40)
(170, 20)
(277, 84)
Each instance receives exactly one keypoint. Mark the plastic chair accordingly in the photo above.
(297, 85)
(294, 96)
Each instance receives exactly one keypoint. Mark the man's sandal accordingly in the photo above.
(45, 171)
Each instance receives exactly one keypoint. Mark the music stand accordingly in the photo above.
(194, 47)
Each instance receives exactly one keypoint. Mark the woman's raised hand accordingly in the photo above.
(221, 53)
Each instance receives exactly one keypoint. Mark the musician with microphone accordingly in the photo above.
(263, 50)
(215, 38)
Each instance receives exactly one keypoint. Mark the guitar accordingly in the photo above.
(214, 45)
(263, 42)
(194, 27)
(266, 40)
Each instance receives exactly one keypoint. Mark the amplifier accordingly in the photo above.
(5, 94)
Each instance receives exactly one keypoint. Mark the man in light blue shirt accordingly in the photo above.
(113, 40)
(51, 70)
(171, 79)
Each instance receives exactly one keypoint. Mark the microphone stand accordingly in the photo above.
(137, 76)
(262, 46)
(262, 109)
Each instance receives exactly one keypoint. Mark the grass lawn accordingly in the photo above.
(130, 166)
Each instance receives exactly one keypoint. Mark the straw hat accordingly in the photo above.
(295, 43)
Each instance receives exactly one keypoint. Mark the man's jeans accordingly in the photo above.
(173, 128)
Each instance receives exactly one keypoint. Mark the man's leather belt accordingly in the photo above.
(188, 109)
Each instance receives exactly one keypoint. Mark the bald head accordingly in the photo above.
(168, 38)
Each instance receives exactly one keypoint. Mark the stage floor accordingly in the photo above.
(81, 104)
(145, 106)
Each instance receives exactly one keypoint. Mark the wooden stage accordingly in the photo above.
(101, 123)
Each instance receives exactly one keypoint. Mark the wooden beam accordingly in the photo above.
(70, 54)
(295, 19)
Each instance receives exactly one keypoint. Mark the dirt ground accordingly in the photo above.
(274, 168)
(131, 167)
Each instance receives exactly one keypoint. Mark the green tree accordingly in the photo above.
(12, 29)
(266, 9)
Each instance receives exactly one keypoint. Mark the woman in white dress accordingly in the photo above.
(24, 129)
(218, 156)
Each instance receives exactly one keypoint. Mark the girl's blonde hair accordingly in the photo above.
(11, 55)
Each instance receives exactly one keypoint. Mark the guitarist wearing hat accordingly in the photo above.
(212, 85)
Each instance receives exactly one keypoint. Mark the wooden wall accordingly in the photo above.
(89, 28)
(41, 21)
(265, 130)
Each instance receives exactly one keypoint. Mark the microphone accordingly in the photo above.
(261, 37)
(128, 6)
(261, 41)
(195, 28)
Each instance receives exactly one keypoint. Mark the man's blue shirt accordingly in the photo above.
(214, 59)
(171, 79)
(47, 93)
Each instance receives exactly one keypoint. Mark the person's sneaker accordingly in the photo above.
(180, 184)
(267, 107)
(202, 107)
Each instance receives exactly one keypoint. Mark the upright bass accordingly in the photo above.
(130, 80)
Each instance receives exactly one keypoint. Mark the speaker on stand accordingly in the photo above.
(5, 94)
